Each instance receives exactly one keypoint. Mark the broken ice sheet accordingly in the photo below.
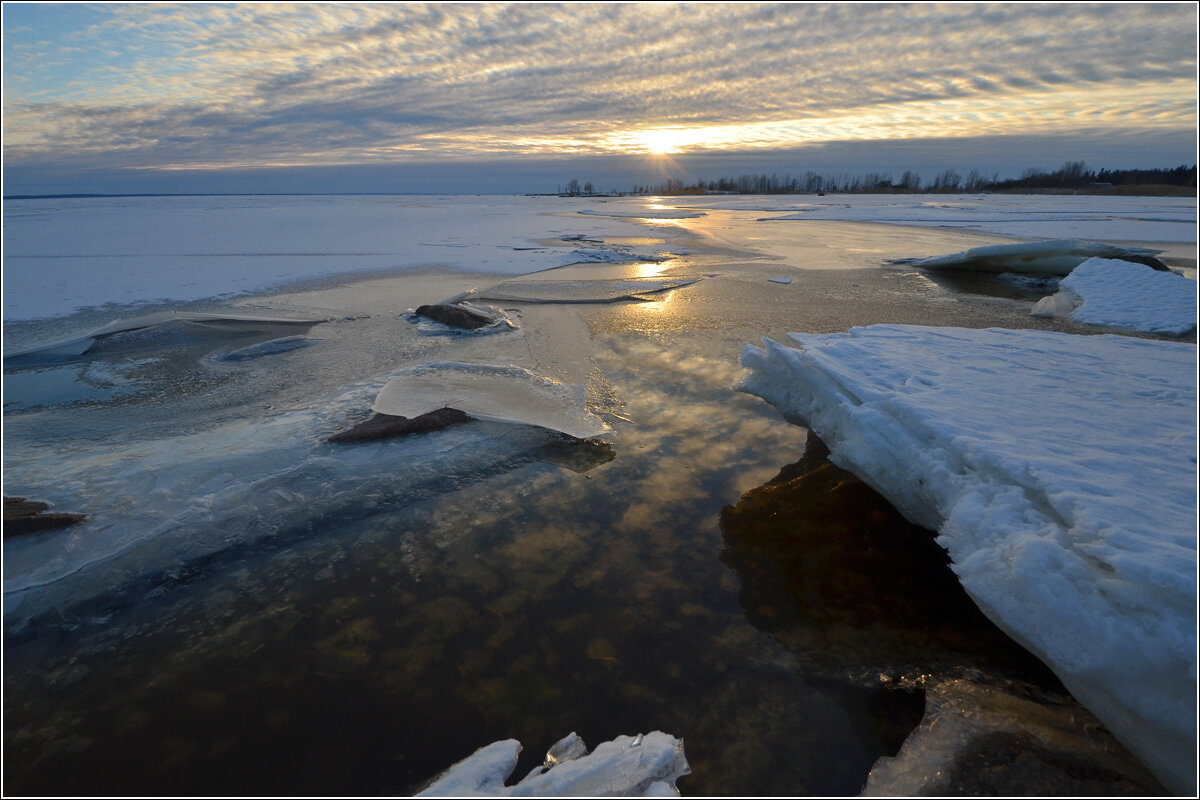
(1122, 294)
(643, 766)
(73, 345)
(492, 394)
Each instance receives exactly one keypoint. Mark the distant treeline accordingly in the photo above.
(1071, 176)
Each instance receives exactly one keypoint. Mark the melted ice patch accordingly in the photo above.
(584, 291)
(492, 394)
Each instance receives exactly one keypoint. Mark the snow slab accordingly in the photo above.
(1060, 472)
(490, 393)
(646, 765)
(1055, 257)
(1121, 294)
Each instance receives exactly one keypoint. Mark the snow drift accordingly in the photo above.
(1060, 472)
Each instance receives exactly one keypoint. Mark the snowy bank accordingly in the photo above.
(1060, 473)
(646, 765)
(1121, 294)
(1055, 257)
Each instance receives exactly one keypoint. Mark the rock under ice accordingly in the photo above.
(1060, 472)
(492, 394)
(1054, 257)
(1121, 294)
(646, 765)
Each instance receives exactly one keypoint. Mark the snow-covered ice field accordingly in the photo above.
(292, 598)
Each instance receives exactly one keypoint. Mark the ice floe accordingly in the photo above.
(1055, 257)
(77, 344)
(1060, 472)
(1121, 294)
(491, 393)
(646, 765)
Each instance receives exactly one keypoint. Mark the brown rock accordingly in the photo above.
(28, 516)
(456, 316)
(384, 426)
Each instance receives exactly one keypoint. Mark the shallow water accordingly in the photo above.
(279, 615)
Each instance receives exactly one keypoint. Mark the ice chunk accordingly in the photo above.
(644, 766)
(568, 748)
(784, 279)
(1054, 257)
(79, 344)
(490, 393)
(1121, 294)
(1060, 472)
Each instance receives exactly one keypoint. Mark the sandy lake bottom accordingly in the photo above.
(358, 629)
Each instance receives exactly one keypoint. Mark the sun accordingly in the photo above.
(664, 141)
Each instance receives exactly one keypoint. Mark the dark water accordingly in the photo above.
(381, 641)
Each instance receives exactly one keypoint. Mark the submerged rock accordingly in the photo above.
(456, 316)
(385, 426)
(23, 516)
(978, 741)
(833, 571)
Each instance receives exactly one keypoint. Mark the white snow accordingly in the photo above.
(490, 393)
(1060, 472)
(1054, 257)
(646, 765)
(1117, 219)
(1121, 294)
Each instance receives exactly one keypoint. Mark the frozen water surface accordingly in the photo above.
(249, 608)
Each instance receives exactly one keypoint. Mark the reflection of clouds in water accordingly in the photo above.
(534, 600)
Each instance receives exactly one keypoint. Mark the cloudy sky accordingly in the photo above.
(520, 97)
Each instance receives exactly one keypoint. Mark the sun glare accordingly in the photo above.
(663, 141)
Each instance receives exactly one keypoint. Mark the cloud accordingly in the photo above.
(205, 85)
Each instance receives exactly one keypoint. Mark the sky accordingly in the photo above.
(495, 97)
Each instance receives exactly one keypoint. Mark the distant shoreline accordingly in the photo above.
(1137, 190)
